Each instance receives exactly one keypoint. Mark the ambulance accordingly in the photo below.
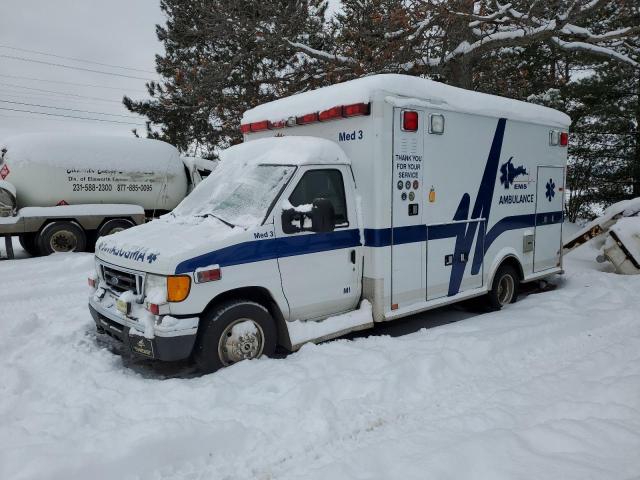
(362, 202)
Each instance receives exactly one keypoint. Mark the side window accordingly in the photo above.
(322, 184)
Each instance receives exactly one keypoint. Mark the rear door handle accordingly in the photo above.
(353, 257)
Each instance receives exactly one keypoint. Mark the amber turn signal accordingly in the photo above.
(178, 287)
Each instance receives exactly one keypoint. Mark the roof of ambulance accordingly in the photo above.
(428, 92)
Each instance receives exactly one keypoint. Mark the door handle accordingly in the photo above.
(353, 256)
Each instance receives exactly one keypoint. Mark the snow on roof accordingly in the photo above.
(437, 94)
(296, 150)
(91, 151)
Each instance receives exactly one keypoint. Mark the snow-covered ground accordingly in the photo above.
(548, 388)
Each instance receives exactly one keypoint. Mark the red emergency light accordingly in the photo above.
(410, 121)
(355, 109)
(564, 139)
(330, 114)
(260, 126)
(307, 119)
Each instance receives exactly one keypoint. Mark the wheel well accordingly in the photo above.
(513, 262)
(262, 296)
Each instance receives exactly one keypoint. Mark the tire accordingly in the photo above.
(504, 289)
(28, 243)
(213, 352)
(114, 225)
(61, 237)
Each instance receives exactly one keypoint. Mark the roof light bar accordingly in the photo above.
(355, 109)
(260, 126)
(330, 114)
(334, 113)
(307, 119)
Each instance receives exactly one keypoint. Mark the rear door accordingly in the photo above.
(549, 216)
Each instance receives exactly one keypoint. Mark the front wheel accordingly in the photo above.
(505, 287)
(234, 331)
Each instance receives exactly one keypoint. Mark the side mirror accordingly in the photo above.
(323, 216)
(288, 217)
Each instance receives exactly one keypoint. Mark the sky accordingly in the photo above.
(115, 32)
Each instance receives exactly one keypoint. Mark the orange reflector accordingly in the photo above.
(394, 306)
(92, 282)
(178, 287)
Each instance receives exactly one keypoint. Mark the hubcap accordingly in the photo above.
(506, 287)
(241, 340)
(63, 241)
(115, 230)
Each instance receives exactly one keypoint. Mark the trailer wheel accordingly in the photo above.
(28, 243)
(505, 287)
(61, 237)
(234, 331)
(114, 226)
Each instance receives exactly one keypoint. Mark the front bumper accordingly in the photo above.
(164, 348)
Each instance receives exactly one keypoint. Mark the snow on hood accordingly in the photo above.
(447, 97)
(158, 246)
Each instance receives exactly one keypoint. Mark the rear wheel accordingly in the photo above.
(28, 243)
(114, 226)
(505, 287)
(61, 237)
(234, 331)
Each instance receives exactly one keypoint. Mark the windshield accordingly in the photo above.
(236, 196)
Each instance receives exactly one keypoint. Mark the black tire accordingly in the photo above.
(114, 225)
(63, 236)
(220, 321)
(505, 278)
(28, 243)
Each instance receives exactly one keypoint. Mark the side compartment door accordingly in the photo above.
(320, 272)
(408, 226)
(549, 217)
(449, 259)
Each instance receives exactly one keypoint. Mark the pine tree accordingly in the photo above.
(221, 58)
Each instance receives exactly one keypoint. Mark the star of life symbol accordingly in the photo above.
(551, 192)
(4, 172)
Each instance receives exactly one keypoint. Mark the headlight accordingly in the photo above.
(160, 289)
(98, 269)
(155, 289)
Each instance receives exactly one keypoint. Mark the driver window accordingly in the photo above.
(322, 184)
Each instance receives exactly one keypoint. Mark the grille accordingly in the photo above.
(120, 281)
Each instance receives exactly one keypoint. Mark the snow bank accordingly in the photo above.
(628, 231)
(437, 94)
(92, 151)
(548, 388)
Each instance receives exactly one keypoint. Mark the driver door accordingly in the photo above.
(320, 272)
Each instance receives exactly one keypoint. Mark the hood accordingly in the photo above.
(159, 246)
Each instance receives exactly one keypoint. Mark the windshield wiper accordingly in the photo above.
(228, 224)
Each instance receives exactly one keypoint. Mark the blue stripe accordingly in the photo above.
(260, 250)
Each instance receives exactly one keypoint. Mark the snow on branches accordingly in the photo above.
(442, 33)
